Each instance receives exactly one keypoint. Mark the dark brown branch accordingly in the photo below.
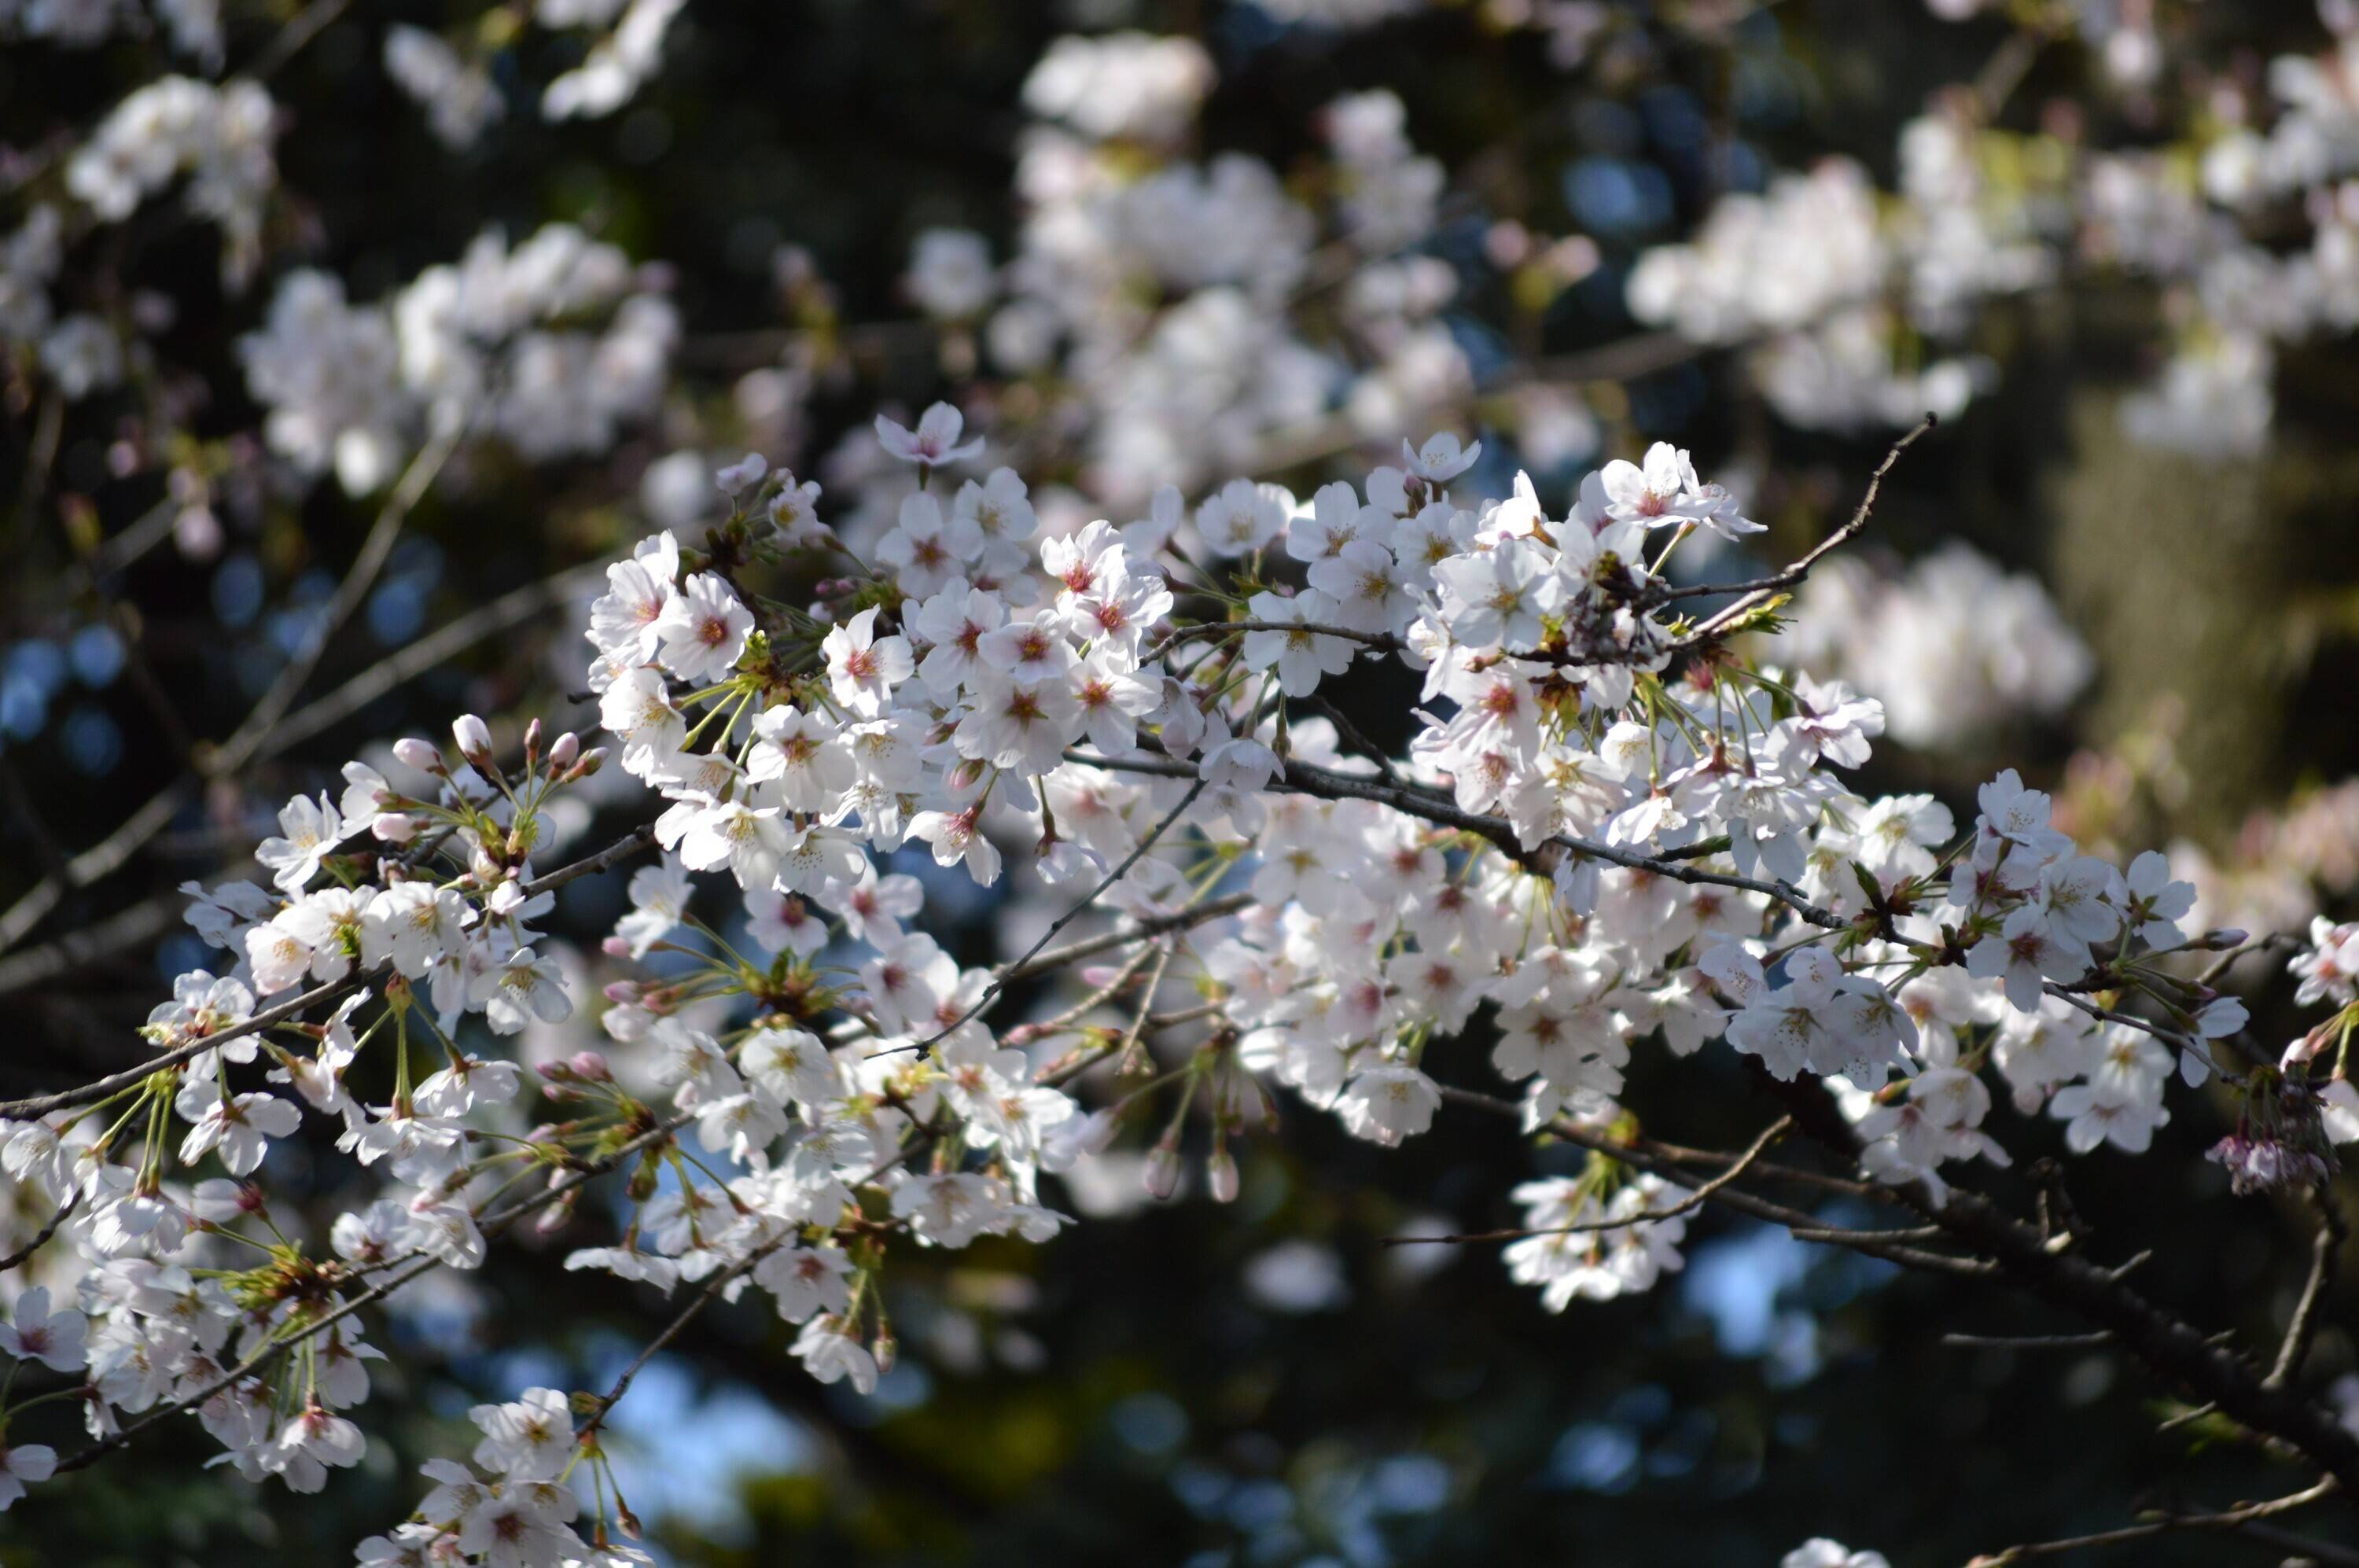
(1756, 591)
(403, 1270)
(1809, 1227)
(1695, 1200)
(623, 848)
(65, 1211)
(1154, 925)
(2303, 1326)
(2027, 1340)
(2168, 1345)
(2227, 1519)
(925, 1047)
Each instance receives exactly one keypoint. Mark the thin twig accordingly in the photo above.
(247, 741)
(485, 621)
(629, 845)
(991, 993)
(1695, 1200)
(247, 737)
(65, 1211)
(2228, 1518)
(1153, 925)
(1382, 641)
(1755, 592)
(1808, 1228)
(288, 41)
(2027, 1340)
(2303, 1326)
(403, 1270)
(1353, 737)
(121, 932)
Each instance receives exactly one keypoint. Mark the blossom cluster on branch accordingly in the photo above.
(1095, 651)
(1615, 832)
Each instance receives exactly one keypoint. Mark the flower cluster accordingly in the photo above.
(553, 345)
(1954, 649)
(1854, 305)
(1605, 846)
(1609, 831)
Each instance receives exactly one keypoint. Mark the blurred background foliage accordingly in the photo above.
(1266, 1383)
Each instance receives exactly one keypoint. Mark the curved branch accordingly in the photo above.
(1755, 592)
(403, 1270)
(2227, 1519)
(925, 1047)
(638, 839)
(215, 762)
(1695, 1200)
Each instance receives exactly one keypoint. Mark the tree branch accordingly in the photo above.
(629, 845)
(925, 1047)
(2303, 1326)
(1686, 1206)
(2229, 1519)
(214, 762)
(1755, 592)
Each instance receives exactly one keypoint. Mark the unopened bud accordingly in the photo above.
(615, 947)
(412, 752)
(552, 1218)
(532, 742)
(561, 755)
(885, 1348)
(394, 827)
(1162, 1174)
(593, 1067)
(1220, 1176)
(1098, 1132)
(474, 739)
(2220, 940)
(592, 760)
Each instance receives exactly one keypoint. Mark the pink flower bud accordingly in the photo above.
(623, 991)
(592, 760)
(411, 752)
(474, 737)
(562, 755)
(552, 1219)
(1220, 1176)
(1162, 1174)
(394, 827)
(532, 742)
(1098, 1132)
(615, 947)
(593, 1066)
